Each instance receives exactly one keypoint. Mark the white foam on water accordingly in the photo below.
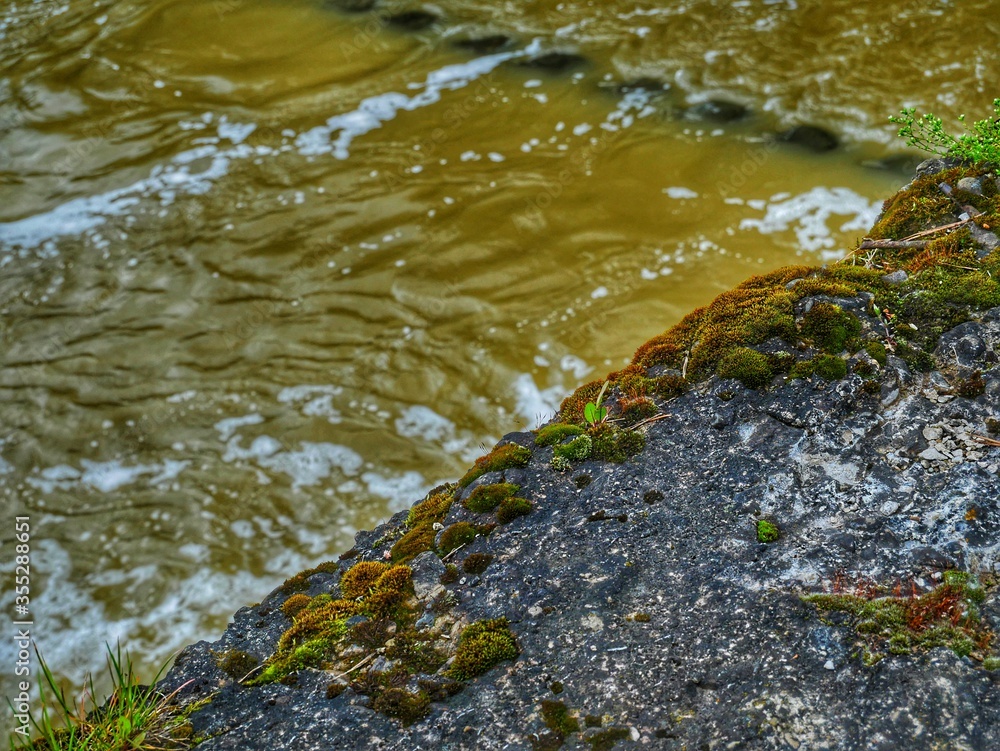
(419, 421)
(575, 365)
(534, 404)
(374, 111)
(192, 172)
(230, 425)
(105, 477)
(400, 491)
(316, 401)
(680, 193)
(809, 214)
(188, 174)
(77, 626)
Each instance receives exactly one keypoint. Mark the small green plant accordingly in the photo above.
(980, 143)
(134, 717)
(594, 413)
(767, 531)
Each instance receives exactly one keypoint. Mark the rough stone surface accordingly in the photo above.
(646, 596)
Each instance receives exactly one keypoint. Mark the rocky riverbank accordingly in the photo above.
(786, 534)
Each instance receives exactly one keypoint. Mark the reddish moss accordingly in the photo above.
(636, 409)
(573, 405)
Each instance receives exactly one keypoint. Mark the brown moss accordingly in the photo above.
(402, 705)
(413, 543)
(571, 410)
(636, 409)
(360, 578)
(294, 604)
(476, 563)
(512, 508)
(236, 663)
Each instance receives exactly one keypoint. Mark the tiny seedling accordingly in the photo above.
(594, 413)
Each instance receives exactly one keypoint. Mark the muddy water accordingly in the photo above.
(269, 270)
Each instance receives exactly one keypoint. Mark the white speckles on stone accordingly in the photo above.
(829, 665)
(889, 508)
(592, 622)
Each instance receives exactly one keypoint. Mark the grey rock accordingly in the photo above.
(719, 111)
(896, 277)
(725, 638)
(427, 570)
(811, 137)
(970, 185)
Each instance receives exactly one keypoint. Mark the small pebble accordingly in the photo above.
(829, 665)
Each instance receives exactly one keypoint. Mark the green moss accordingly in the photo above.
(502, 457)
(592, 721)
(481, 646)
(455, 536)
(946, 616)
(767, 531)
(556, 433)
(236, 664)
(558, 719)
(829, 327)
(613, 444)
(487, 497)
(916, 359)
(877, 351)
(748, 366)
(511, 508)
(403, 705)
(830, 367)
(476, 563)
(605, 740)
(575, 450)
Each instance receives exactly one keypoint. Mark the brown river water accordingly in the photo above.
(269, 269)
